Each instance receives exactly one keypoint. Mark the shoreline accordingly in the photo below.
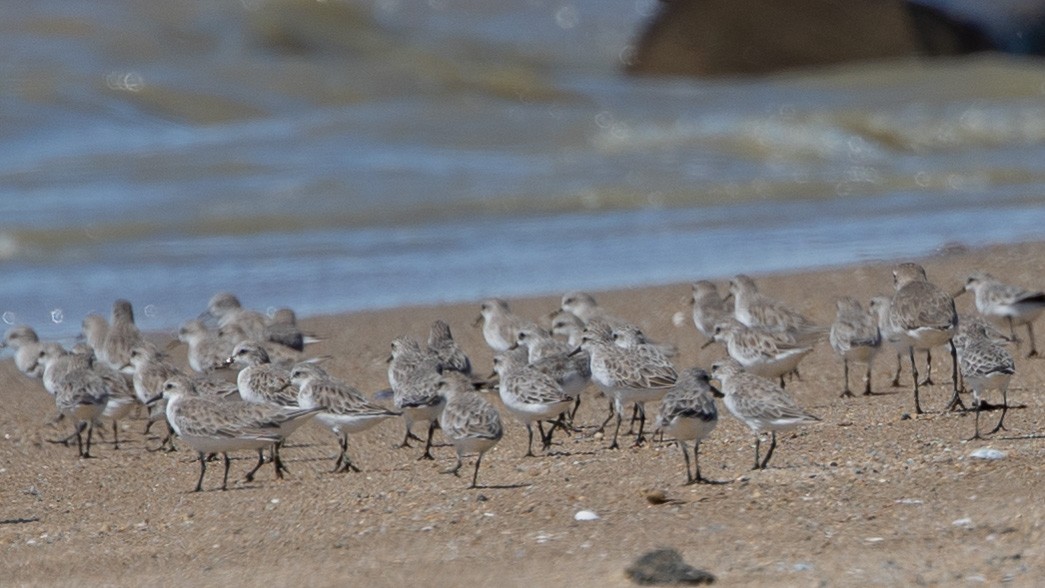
(870, 495)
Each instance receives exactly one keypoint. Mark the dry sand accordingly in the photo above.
(869, 496)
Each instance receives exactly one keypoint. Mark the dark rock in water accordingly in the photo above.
(666, 566)
(728, 37)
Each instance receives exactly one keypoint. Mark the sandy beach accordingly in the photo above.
(872, 495)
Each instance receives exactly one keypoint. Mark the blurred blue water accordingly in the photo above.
(458, 150)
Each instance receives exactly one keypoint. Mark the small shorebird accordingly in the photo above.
(210, 425)
(345, 410)
(79, 392)
(93, 329)
(261, 382)
(447, 352)
(855, 337)
(539, 343)
(26, 344)
(755, 309)
(758, 403)
(583, 306)
(500, 325)
(688, 413)
(413, 375)
(530, 395)
(879, 306)
(122, 398)
(122, 335)
(1011, 304)
(568, 325)
(627, 375)
(226, 308)
(761, 351)
(921, 317)
(468, 421)
(556, 358)
(709, 309)
(207, 349)
(283, 329)
(984, 365)
(151, 371)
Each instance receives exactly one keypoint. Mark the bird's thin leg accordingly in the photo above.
(685, 456)
(203, 470)
(428, 443)
(1030, 335)
(956, 400)
(846, 393)
(914, 371)
(928, 381)
(225, 478)
(475, 475)
(772, 446)
(261, 461)
(1004, 409)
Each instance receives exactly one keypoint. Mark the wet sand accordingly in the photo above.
(873, 495)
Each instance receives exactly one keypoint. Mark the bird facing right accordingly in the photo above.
(688, 413)
(1011, 304)
(758, 403)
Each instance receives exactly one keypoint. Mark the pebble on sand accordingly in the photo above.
(586, 515)
(987, 453)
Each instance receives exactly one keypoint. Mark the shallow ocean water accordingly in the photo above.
(350, 155)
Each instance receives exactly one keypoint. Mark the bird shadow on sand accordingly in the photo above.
(567, 453)
(502, 486)
(233, 487)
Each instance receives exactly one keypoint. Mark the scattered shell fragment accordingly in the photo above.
(586, 515)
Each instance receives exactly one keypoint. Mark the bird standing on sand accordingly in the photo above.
(758, 403)
(921, 317)
(471, 423)
(688, 413)
(1011, 304)
(855, 337)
